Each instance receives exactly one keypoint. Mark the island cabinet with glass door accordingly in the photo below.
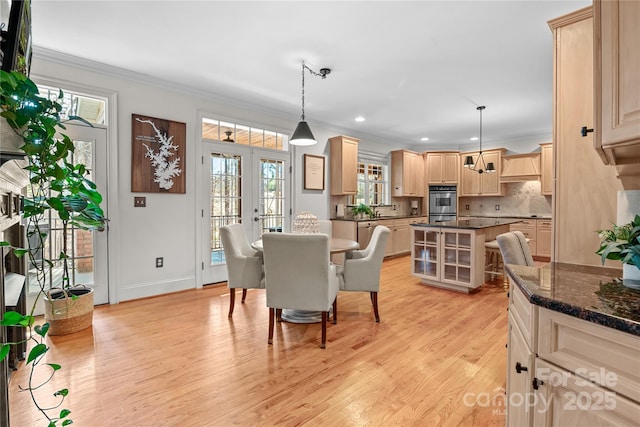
(451, 254)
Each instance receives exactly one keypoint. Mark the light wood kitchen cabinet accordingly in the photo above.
(442, 167)
(407, 174)
(543, 238)
(450, 258)
(399, 241)
(585, 193)
(520, 167)
(546, 169)
(617, 88)
(343, 156)
(481, 184)
(586, 374)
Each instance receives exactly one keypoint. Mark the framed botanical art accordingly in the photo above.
(157, 155)
(313, 172)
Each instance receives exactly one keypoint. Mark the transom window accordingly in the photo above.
(90, 108)
(218, 130)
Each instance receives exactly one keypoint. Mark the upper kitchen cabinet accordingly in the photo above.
(442, 167)
(520, 167)
(617, 84)
(407, 174)
(546, 169)
(473, 183)
(343, 157)
(585, 193)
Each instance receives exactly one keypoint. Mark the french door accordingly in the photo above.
(86, 250)
(242, 185)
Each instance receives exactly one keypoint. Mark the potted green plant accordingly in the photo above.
(57, 186)
(362, 210)
(622, 243)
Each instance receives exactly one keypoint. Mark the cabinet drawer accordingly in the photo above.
(525, 315)
(526, 223)
(606, 356)
(529, 232)
(544, 223)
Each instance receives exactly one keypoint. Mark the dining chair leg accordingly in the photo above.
(271, 316)
(279, 314)
(335, 310)
(374, 299)
(232, 300)
(324, 330)
(244, 294)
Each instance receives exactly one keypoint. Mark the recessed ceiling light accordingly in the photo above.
(424, 139)
(474, 138)
(360, 119)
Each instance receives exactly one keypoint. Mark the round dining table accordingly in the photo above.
(336, 246)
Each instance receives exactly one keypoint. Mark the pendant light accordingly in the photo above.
(302, 135)
(480, 165)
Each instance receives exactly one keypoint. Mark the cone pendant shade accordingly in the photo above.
(302, 135)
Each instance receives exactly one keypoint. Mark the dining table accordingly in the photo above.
(336, 246)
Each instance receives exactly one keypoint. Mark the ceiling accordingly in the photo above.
(412, 69)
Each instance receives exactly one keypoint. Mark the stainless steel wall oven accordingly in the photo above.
(443, 201)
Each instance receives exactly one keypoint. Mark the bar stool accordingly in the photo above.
(494, 265)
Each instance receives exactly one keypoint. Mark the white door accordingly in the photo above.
(87, 250)
(243, 185)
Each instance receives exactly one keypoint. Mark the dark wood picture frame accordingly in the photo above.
(152, 169)
(313, 172)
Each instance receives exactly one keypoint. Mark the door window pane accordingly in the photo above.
(272, 195)
(225, 198)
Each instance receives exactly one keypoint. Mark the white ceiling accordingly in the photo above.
(412, 69)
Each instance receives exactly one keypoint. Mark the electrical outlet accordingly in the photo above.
(159, 262)
(139, 202)
(466, 207)
(497, 207)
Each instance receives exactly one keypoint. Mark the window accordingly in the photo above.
(372, 182)
(90, 108)
(218, 130)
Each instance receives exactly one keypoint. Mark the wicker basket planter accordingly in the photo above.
(66, 314)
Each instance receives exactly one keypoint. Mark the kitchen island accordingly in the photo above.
(451, 254)
(574, 341)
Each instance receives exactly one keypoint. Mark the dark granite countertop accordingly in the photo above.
(595, 294)
(471, 223)
(507, 216)
(382, 218)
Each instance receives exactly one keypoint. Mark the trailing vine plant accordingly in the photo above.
(56, 184)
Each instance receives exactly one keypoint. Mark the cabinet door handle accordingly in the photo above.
(537, 383)
(520, 368)
(584, 131)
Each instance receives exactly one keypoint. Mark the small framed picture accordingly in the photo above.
(313, 172)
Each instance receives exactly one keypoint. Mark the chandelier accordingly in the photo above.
(480, 165)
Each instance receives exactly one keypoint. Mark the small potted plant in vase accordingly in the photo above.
(362, 210)
(622, 243)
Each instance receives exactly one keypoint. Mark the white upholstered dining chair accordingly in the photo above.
(244, 264)
(299, 275)
(361, 270)
(325, 226)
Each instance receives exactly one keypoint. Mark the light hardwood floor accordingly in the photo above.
(436, 358)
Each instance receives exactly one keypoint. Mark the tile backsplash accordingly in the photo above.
(521, 198)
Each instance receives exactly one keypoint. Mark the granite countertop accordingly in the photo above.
(595, 294)
(541, 216)
(382, 218)
(470, 223)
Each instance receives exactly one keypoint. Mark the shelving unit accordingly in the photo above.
(448, 257)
